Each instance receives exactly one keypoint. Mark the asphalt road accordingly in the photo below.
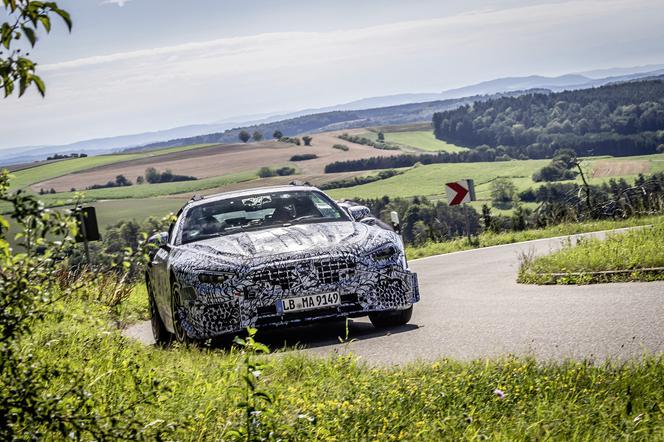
(471, 307)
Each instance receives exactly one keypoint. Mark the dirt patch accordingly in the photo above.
(221, 160)
(619, 168)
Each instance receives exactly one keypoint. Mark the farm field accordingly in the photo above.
(428, 180)
(151, 190)
(422, 140)
(46, 171)
(217, 160)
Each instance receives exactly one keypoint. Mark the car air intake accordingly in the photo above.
(327, 271)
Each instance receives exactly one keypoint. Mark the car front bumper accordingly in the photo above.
(208, 311)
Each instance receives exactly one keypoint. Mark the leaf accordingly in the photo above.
(41, 87)
(46, 22)
(30, 34)
(65, 17)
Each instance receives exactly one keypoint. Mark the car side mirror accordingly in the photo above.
(159, 239)
(359, 212)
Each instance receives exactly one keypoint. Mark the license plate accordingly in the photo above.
(310, 302)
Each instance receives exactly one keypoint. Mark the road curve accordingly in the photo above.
(472, 307)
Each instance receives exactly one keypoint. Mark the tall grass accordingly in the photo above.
(488, 239)
(203, 395)
(634, 251)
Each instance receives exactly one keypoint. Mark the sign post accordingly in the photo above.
(461, 192)
(88, 230)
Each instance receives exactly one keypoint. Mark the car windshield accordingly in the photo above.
(257, 211)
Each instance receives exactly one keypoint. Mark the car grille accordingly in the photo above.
(327, 271)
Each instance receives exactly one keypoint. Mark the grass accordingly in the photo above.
(26, 177)
(422, 140)
(149, 190)
(488, 239)
(429, 180)
(578, 263)
(342, 398)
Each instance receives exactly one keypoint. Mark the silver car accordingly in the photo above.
(276, 256)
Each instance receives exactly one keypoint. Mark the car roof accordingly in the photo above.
(252, 191)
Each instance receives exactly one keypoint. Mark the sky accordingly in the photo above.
(132, 66)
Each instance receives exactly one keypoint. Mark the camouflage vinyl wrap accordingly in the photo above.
(254, 272)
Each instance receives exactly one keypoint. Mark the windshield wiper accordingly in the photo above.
(305, 219)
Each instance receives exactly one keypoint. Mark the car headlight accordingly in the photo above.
(384, 252)
(214, 278)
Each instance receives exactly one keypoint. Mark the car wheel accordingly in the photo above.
(392, 318)
(161, 335)
(176, 299)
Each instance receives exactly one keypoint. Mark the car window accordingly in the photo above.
(256, 212)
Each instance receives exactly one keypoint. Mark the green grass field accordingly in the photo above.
(26, 177)
(423, 140)
(429, 180)
(632, 250)
(150, 190)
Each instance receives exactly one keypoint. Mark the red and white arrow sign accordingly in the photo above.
(459, 192)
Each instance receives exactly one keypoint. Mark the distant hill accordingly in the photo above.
(618, 119)
(27, 154)
(335, 120)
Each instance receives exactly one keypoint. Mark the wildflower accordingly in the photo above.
(499, 393)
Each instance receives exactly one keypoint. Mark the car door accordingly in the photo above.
(160, 282)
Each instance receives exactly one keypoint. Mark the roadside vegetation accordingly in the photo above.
(635, 255)
(488, 238)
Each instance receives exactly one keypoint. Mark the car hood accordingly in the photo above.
(302, 239)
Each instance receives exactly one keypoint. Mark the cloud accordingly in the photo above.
(120, 3)
(206, 81)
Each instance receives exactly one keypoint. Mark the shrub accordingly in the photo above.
(303, 157)
(266, 172)
(292, 140)
(341, 147)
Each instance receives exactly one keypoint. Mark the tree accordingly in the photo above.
(25, 18)
(660, 148)
(244, 136)
(140, 179)
(503, 193)
(257, 136)
(266, 172)
(152, 176)
(277, 134)
(307, 140)
(121, 180)
(381, 136)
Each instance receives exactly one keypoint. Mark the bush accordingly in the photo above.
(292, 140)
(341, 147)
(356, 181)
(304, 157)
(266, 172)
(152, 176)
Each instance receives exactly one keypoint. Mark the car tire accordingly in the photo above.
(393, 318)
(162, 336)
(180, 334)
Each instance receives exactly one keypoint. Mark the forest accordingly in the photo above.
(619, 119)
